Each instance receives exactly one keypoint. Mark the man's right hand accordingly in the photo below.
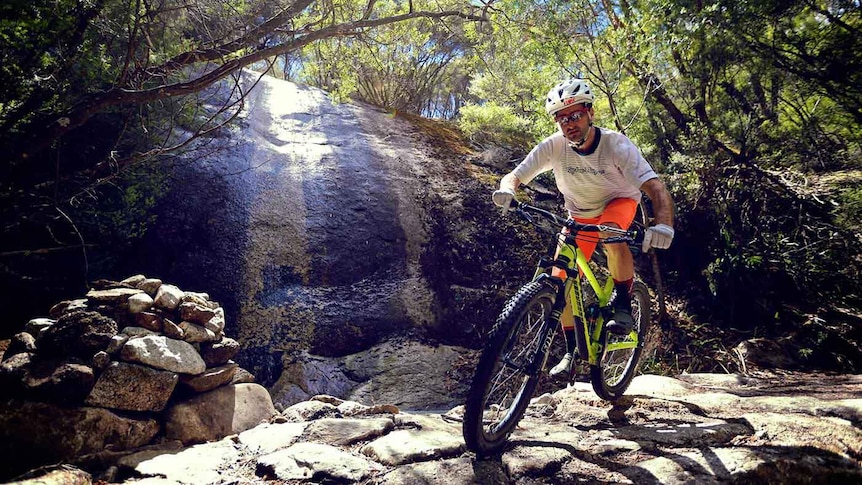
(503, 198)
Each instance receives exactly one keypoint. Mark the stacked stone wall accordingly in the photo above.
(121, 368)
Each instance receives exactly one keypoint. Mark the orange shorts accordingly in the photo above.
(618, 211)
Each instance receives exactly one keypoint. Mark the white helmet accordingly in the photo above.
(567, 93)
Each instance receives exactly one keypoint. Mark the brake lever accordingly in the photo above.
(635, 245)
(526, 215)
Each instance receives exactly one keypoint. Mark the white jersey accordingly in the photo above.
(615, 169)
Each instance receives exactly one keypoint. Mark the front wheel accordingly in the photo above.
(509, 368)
(614, 372)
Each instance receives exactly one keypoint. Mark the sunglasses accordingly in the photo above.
(572, 118)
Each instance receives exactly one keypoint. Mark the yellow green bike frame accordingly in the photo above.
(589, 335)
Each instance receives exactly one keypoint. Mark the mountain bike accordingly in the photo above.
(514, 358)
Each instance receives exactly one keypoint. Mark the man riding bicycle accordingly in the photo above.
(601, 174)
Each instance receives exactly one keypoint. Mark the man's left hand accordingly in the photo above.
(659, 236)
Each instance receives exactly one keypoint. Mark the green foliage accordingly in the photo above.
(418, 67)
(760, 243)
(849, 211)
(123, 210)
(43, 52)
(492, 123)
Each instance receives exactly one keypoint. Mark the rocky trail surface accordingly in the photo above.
(699, 428)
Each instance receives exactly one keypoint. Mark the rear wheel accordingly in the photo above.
(509, 368)
(614, 372)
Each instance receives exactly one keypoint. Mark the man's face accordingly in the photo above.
(574, 121)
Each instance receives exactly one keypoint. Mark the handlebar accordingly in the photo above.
(633, 237)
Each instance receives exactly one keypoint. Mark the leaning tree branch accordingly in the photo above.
(249, 38)
(99, 102)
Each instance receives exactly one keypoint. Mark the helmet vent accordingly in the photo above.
(577, 88)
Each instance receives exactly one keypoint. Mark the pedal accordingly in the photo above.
(563, 370)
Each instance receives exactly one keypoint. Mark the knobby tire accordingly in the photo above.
(509, 368)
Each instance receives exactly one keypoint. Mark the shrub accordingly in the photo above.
(491, 123)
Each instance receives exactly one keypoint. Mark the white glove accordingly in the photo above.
(503, 198)
(658, 236)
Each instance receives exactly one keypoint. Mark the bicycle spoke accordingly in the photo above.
(617, 360)
(614, 370)
(495, 413)
(513, 375)
(517, 363)
(498, 385)
(531, 328)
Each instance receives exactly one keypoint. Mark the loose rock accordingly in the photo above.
(58, 381)
(218, 353)
(163, 353)
(140, 302)
(168, 297)
(210, 378)
(35, 326)
(150, 286)
(132, 388)
(19, 343)
(79, 334)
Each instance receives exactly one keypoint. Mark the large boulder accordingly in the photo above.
(35, 433)
(213, 415)
(388, 373)
(307, 375)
